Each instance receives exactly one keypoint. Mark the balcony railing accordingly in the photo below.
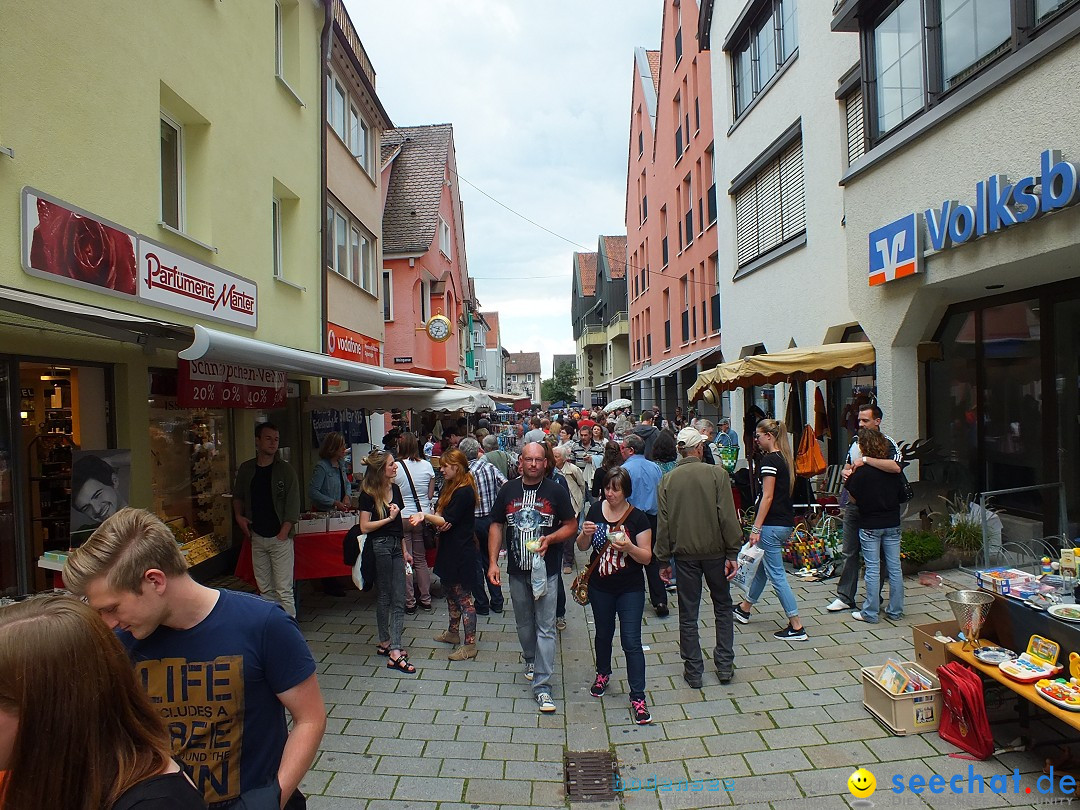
(341, 17)
(621, 315)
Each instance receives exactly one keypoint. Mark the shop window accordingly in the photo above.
(1067, 380)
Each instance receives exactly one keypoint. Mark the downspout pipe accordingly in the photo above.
(325, 41)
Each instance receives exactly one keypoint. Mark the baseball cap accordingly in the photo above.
(689, 438)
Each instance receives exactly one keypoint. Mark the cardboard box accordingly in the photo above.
(929, 652)
(907, 713)
(311, 525)
(1001, 580)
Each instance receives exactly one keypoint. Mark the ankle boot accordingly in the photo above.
(463, 653)
(449, 637)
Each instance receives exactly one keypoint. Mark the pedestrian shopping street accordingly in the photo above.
(467, 734)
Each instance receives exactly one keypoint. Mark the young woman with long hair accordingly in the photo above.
(774, 522)
(457, 561)
(76, 730)
(411, 461)
(380, 505)
(612, 458)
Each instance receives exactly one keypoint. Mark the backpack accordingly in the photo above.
(963, 717)
(355, 547)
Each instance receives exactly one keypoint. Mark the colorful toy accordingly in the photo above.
(1037, 664)
(1061, 692)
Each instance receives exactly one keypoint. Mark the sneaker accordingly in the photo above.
(497, 608)
(599, 686)
(483, 611)
(410, 611)
(838, 605)
(530, 672)
(725, 677)
(640, 712)
(546, 704)
(789, 633)
(662, 611)
(426, 607)
(560, 623)
(670, 587)
(692, 681)
(741, 616)
(858, 616)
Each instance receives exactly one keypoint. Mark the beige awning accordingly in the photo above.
(810, 363)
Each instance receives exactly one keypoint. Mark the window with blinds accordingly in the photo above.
(856, 136)
(771, 208)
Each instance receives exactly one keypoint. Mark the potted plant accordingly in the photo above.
(961, 527)
(922, 551)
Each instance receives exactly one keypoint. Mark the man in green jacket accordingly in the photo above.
(698, 526)
(266, 505)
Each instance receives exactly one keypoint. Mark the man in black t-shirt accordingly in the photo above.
(530, 509)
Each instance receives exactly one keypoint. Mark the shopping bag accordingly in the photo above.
(748, 561)
(539, 576)
(363, 568)
(809, 460)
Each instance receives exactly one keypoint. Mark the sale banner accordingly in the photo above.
(212, 384)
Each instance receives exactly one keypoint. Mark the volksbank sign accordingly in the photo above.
(896, 249)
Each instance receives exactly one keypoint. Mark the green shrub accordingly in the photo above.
(920, 547)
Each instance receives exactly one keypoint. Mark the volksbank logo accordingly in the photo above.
(896, 249)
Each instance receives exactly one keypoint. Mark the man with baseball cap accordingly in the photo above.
(698, 526)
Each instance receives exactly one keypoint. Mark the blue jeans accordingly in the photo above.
(630, 607)
(873, 542)
(535, 627)
(772, 566)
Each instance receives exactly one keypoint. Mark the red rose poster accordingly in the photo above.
(70, 244)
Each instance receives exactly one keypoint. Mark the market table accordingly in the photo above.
(317, 555)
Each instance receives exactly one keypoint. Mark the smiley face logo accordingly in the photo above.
(862, 784)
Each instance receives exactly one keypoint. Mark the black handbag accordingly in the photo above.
(906, 492)
(429, 533)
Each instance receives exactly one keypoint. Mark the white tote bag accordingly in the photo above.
(748, 561)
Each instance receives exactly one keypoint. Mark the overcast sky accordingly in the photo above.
(539, 96)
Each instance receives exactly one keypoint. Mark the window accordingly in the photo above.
(710, 156)
(172, 173)
(335, 108)
(387, 295)
(279, 42)
(425, 301)
(664, 238)
(771, 40)
(971, 34)
(898, 61)
(856, 134)
(341, 247)
(279, 271)
(770, 208)
(1044, 8)
(353, 250)
(444, 238)
(687, 198)
(680, 147)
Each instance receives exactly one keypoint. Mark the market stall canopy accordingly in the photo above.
(810, 363)
(210, 344)
(449, 399)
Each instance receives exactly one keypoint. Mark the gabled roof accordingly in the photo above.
(654, 67)
(523, 363)
(614, 248)
(585, 271)
(492, 337)
(411, 212)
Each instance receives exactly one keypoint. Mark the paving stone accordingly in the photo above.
(396, 747)
(826, 781)
(856, 730)
(776, 761)
(722, 767)
(676, 750)
(889, 749)
(498, 791)
(425, 789)
(409, 766)
(335, 803)
(805, 716)
(535, 771)
(361, 785)
(340, 761)
(792, 737)
(736, 743)
(703, 727)
(766, 787)
(472, 768)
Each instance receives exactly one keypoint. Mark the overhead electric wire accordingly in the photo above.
(568, 240)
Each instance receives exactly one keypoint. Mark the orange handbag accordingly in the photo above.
(809, 460)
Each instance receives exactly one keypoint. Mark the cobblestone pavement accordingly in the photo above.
(788, 730)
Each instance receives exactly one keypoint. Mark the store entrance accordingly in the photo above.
(70, 480)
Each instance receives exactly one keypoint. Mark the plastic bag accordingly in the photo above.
(748, 561)
(539, 576)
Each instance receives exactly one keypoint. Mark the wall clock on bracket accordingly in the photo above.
(438, 328)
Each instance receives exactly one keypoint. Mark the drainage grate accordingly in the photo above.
(589, 775)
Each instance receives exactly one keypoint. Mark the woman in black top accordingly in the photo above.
(617, 584)
(878, 495)
(773, 524)
(380, 505)
(612, 458)
(457, 561)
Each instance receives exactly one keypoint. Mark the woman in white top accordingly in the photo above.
(423, 479)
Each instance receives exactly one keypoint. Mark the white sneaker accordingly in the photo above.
(858, 616)
(838, 605)
(546, 704)
(530, 671)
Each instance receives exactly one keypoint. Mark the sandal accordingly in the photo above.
(383, 651)
(401, 664)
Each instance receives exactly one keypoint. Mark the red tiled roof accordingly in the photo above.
(585, 264)
(411, 209)
(492, 337)
(523, 363)
(615, 250)
(654, 66)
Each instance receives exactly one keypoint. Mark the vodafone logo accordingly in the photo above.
(331, 341)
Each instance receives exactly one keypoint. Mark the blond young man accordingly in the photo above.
(222, 667)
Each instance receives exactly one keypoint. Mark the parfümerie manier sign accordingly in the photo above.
(897, 249)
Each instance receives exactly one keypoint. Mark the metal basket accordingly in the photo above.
(970, 609)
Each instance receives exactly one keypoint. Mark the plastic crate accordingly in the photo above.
(907, 713)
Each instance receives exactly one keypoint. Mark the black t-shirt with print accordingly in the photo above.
(528, 513)
(781, 512)
(616, 572)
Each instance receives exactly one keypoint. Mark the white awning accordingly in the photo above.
(448, 399)
(211, 344)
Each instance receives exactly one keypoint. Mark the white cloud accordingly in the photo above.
(539, 96)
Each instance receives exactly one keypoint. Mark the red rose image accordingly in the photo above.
(71, 245)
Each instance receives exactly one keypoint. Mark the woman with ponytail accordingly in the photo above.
(774, 522)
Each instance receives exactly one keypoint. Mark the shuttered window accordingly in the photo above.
(771, 208)
(856, 138)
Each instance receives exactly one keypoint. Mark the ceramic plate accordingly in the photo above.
(994, 655)
(1069, 613)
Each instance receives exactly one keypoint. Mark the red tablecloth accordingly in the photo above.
(317, 555)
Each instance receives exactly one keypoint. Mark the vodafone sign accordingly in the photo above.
(349, 345)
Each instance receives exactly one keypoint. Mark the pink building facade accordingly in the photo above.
(671, 278)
